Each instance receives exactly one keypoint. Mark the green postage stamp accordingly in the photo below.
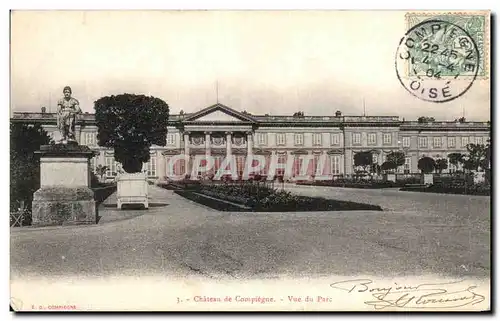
(442, 54)
(476, 24)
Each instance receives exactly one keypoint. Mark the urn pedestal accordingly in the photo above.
(427, 179)
(390, 177)
(64, 196)
(132, 189)
(479, 177)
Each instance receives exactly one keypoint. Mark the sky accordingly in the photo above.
(274, 62)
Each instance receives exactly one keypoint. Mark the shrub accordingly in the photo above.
(130, 124)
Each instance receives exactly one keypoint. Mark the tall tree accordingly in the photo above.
(477, 155)
(486, 164)
(441, 164)
(395, 159)
(456, 159)
(130, 124)
(25, 139)
(388, 166)
(426, 165)
(363, 159)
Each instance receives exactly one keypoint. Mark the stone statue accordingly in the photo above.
(67, 110)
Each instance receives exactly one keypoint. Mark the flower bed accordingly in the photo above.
(477, 189)
(352, 184)
(180, 184)
(210, 202)
(265, 199)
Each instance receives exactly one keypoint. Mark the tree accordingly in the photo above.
(441, 164)
(25, 139)
(424, 119)
(363, 159)
(387, 166)
(426, 165)
(130, 124)
(486, 163)
(101, 171)
(376, 168)
(477, 156)
(456, 159)
(396, 159)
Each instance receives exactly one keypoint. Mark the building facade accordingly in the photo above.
(220, 131)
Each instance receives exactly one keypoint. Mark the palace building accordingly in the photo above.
(221, 131)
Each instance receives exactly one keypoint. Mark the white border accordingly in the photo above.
(191, 5)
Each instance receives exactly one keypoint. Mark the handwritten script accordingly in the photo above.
(422, 296)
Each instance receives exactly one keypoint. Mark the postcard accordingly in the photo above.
(250, 161)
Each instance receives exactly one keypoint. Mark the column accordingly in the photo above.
(311, 170)
(348, 162)
(186, 153)
(228, 144)
(249, 160)
(208, 152)
(207, 143)
(325, 167)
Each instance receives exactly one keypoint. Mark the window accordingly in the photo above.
(372, 139)
(422, 142)
(335, 139)
(298, 166)
(170, 139)
(90, 138)
(299, 139)
(110, 166)
(151, 166)
(280, 139)
(261, 138)
(406, 141)
(281, 160)
(479, 140)
(317, 139)
(407, 165)
(437, 142)
(335, 164)
(465, 141)
(356, 138)
(451, 142)
(387, 139)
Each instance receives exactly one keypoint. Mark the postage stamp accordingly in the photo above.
(475, 24)
(440, 57)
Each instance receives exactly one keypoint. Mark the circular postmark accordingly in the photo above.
(437, 61)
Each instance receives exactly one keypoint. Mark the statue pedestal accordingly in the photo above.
(64, 197)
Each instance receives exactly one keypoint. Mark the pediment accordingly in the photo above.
(218, 116)
(219, 113)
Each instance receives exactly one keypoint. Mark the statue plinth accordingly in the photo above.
(64, 197)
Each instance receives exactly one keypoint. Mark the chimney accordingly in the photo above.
(338, 113)
(44, 110)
